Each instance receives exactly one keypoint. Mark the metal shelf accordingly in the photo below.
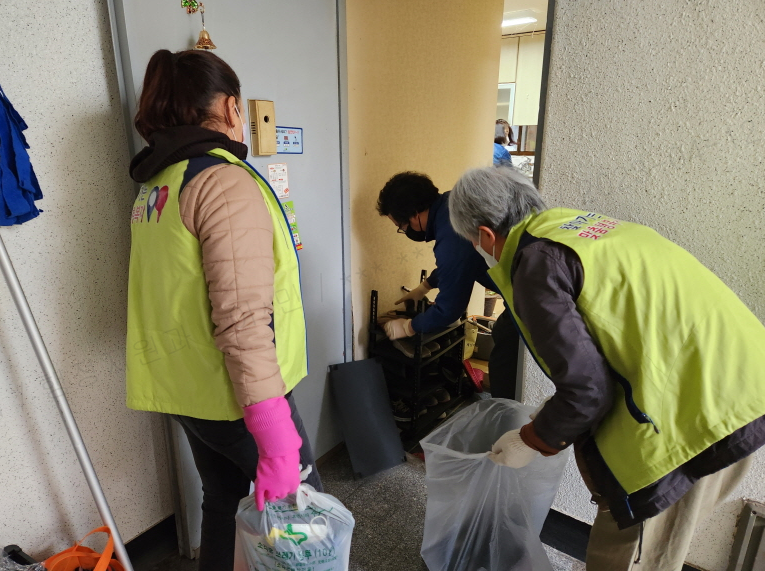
(384, 350)
(425, 424)
(398, 386)
(433, 336)
(442, 351)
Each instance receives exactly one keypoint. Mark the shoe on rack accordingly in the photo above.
(433, 347)
(402, 412)
(450, 375)
(429, 401)
(406, 346)
(442, 395)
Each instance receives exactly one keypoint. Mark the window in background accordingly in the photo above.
(524, 26)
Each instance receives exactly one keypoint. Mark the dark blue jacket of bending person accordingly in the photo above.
(458, 267)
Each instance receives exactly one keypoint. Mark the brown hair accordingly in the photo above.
(179, 89)
(509, 133)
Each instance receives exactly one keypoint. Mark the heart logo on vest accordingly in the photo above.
(156, 201)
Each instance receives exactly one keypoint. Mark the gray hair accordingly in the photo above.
(496, 197)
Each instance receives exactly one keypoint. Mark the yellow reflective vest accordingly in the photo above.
(173, 365)
(689, 355)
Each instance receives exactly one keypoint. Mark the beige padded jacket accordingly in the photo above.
(223, 208)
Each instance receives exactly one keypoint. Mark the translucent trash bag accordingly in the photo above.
(309, 531)
(481, 516)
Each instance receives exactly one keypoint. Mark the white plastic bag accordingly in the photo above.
(481, 516)
(307, 531)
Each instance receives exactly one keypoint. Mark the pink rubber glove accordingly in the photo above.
(278, 474)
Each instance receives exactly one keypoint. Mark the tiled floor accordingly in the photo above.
(562, 562)
(390, 510)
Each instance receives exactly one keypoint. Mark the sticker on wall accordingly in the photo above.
(289, 210)
(277, 177)
(289, 140)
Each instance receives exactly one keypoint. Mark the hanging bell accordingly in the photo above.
(204, 42)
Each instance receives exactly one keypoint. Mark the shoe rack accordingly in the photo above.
(414, 379)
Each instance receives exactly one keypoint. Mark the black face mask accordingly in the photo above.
(415, 235)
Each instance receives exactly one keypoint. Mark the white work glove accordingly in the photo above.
(511, 451)
(398, 328)
(417, 293)
(533, 415)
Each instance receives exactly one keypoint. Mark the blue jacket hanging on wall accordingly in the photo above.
(18, 184)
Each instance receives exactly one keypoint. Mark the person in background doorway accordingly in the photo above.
(208, 342)
(511, 145)
(501, 156)
(658, 367)
(416, 208)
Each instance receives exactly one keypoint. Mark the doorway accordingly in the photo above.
(520, 85)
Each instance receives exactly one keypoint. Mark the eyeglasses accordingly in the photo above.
(400, 230)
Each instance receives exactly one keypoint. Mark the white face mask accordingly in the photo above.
(491, 261)
(242, 122)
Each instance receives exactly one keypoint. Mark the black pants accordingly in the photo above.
(503, 360)
(226, 458)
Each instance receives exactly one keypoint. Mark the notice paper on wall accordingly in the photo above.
(289, 210)
(277, 178)
(289, 140)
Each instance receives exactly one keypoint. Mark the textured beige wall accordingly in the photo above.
(656, 114)
(422, 90)
(58, 69)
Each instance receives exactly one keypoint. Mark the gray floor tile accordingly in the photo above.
(390, 510)
(562, 562)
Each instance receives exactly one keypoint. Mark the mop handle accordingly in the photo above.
(25, 312)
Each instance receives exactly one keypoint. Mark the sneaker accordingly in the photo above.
(402, 413)
(442, 395)
(430, 401)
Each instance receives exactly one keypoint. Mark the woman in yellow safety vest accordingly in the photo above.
(216, 331)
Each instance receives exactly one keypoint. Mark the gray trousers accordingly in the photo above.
(666, 537)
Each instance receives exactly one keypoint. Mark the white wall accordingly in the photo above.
(58, 70)
(656, 114)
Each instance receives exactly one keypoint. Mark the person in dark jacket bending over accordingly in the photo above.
(414, 205)
(659, 368)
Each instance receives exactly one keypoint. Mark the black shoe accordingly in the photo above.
(402, 413)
